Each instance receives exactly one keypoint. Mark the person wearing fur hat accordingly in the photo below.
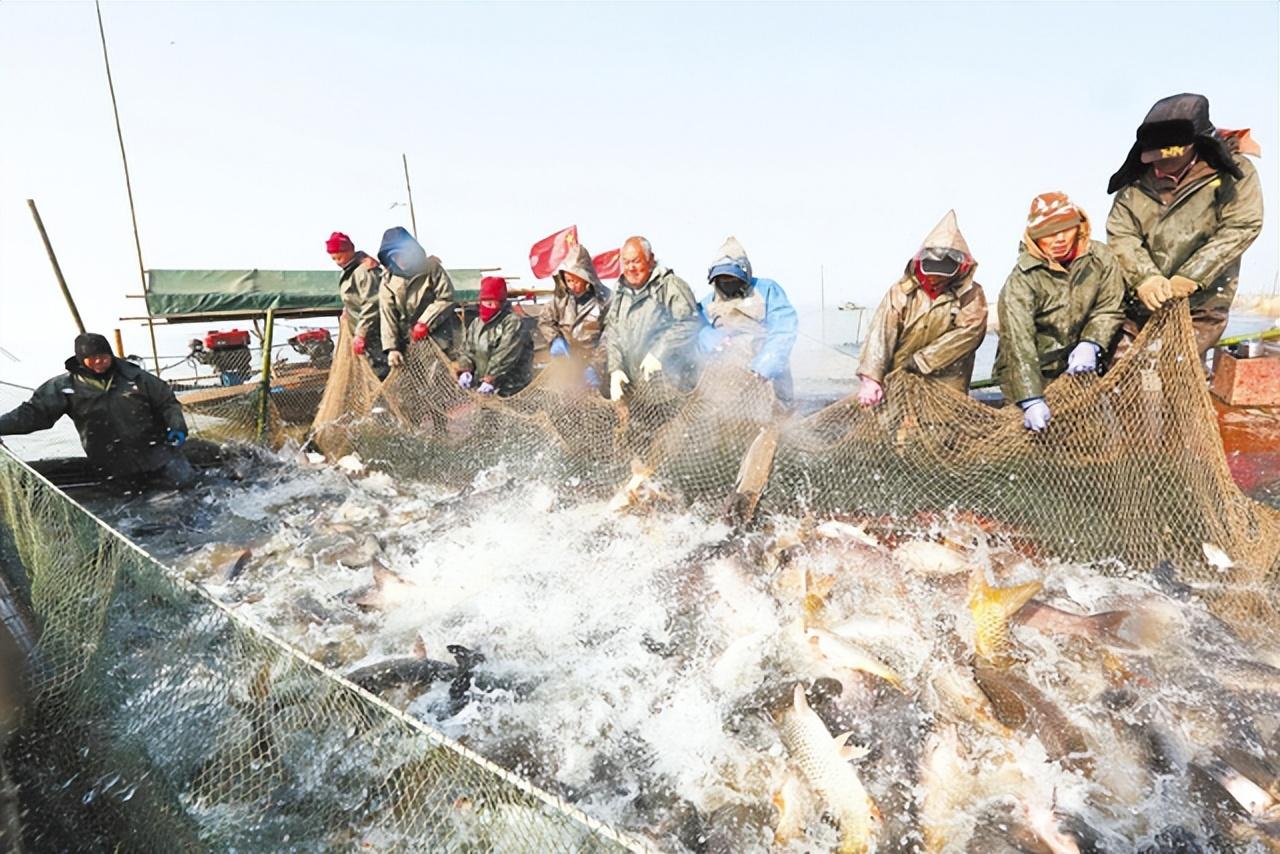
(358, 286)
(932, 320)
(496, 348)
(129, 422)
(1188, 204)
(416, 299)
(574, 320)
(749, 318)
(1061, 307)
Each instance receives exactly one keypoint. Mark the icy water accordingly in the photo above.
(644, 665)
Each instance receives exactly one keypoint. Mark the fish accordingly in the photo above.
(230, 569)
(795, 808)
(834, 529)
(991, 608)
(1020, 705)
(637, 492)
(926, 557)
(957, 697)
(842, 653)
(944, 789)
(389, 589)
(1101, 626)
(824, 763)
(1216, 557)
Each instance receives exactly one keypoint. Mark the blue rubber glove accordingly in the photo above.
(487, 388)
(559, 347)
(1035, 414)
(175, 438)
(590, 377)
(464, 379)
(710, 339)
(1083, 358)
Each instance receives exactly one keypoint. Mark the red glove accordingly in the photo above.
(357, 345)
(420, 331)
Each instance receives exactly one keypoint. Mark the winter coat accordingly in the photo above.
(122, 416)
(1046, 310)
(1200, 231)
(578, 320)
(358, 286)
(933, 337)
(502, 349)
(415, 289)
(763, 317)
(660, 317)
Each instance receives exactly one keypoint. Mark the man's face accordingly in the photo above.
(1176, 163)
(99, 363)
(636, 265)
(1058, 245)
(576, 284)
(343, 258)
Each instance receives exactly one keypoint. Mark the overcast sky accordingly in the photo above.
(823, 136)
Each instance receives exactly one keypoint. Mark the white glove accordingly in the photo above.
(1035, 414)
(395, 358)
(1083, 358)
(617, 380)
(650, 366)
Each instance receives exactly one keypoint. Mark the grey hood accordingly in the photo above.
(579, 263)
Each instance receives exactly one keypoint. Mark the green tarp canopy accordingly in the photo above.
(191, 294)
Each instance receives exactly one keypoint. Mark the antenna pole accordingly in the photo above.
(413, 218)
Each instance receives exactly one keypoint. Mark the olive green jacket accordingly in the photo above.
(1200, 234)
(660, 317)
(578, 320)
(1045, 312)
(502, 349)
(404, 302)
(358, 286)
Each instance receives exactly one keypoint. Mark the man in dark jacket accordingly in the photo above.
(358, 285)
(129, 422)
(497, 348)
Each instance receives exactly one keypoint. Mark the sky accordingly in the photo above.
(829, 138)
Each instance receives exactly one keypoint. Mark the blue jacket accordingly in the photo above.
(765, 303)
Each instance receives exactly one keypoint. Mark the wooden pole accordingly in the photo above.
(119, 344)
(413, 217)
(822, 301)
(264, 395)
(128, 185)
(57, 270)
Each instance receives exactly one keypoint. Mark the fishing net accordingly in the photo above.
(1131, 474)
(160, 721)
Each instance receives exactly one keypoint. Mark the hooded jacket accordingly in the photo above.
(763, 318)
(578, 320)
(416, 288)
(121, 416)
(937, 338)
(358, 285)
(661, 316)
(1046, 309)
(501, 348)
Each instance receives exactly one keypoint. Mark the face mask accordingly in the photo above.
(935, 269)
(732, 289)
(487, 313)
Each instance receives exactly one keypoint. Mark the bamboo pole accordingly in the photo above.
(264, 395)
(413, 217)
(128, 185)
(57, 269)
(119, 344)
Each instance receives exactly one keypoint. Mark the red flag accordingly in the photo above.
(547, 253)
(608, 264)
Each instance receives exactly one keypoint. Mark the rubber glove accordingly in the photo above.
(590, 377)
(464, 379)
(617, 380)
(1181, 286)
(420, 330)
(871, 392)
(357, 345)
(1154, 292)
(175, 438)
(1035, 414)
(559, 347)
(1083, 358)
(487, 387)
(710, 339)
(395, 358)
(650, 366)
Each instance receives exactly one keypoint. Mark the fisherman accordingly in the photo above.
(931, 321)
(574, 321)
(750, 318)
(130, 424)
(497, 347)
(358, 286)
(1188, 204)
(416, 298)
(653, 323)
(1061, 307)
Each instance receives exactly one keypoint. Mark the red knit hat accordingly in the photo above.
(338, 242)
(493, 287)
(1051, 213)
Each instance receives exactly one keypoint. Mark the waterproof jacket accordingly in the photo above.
(1200, 231)
(1046, 310)
(416, 288)
(660, 317)
(763, 317)
(121, 416)
(936, 338)
(359, 285)
(578, 320)
(502, 349)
